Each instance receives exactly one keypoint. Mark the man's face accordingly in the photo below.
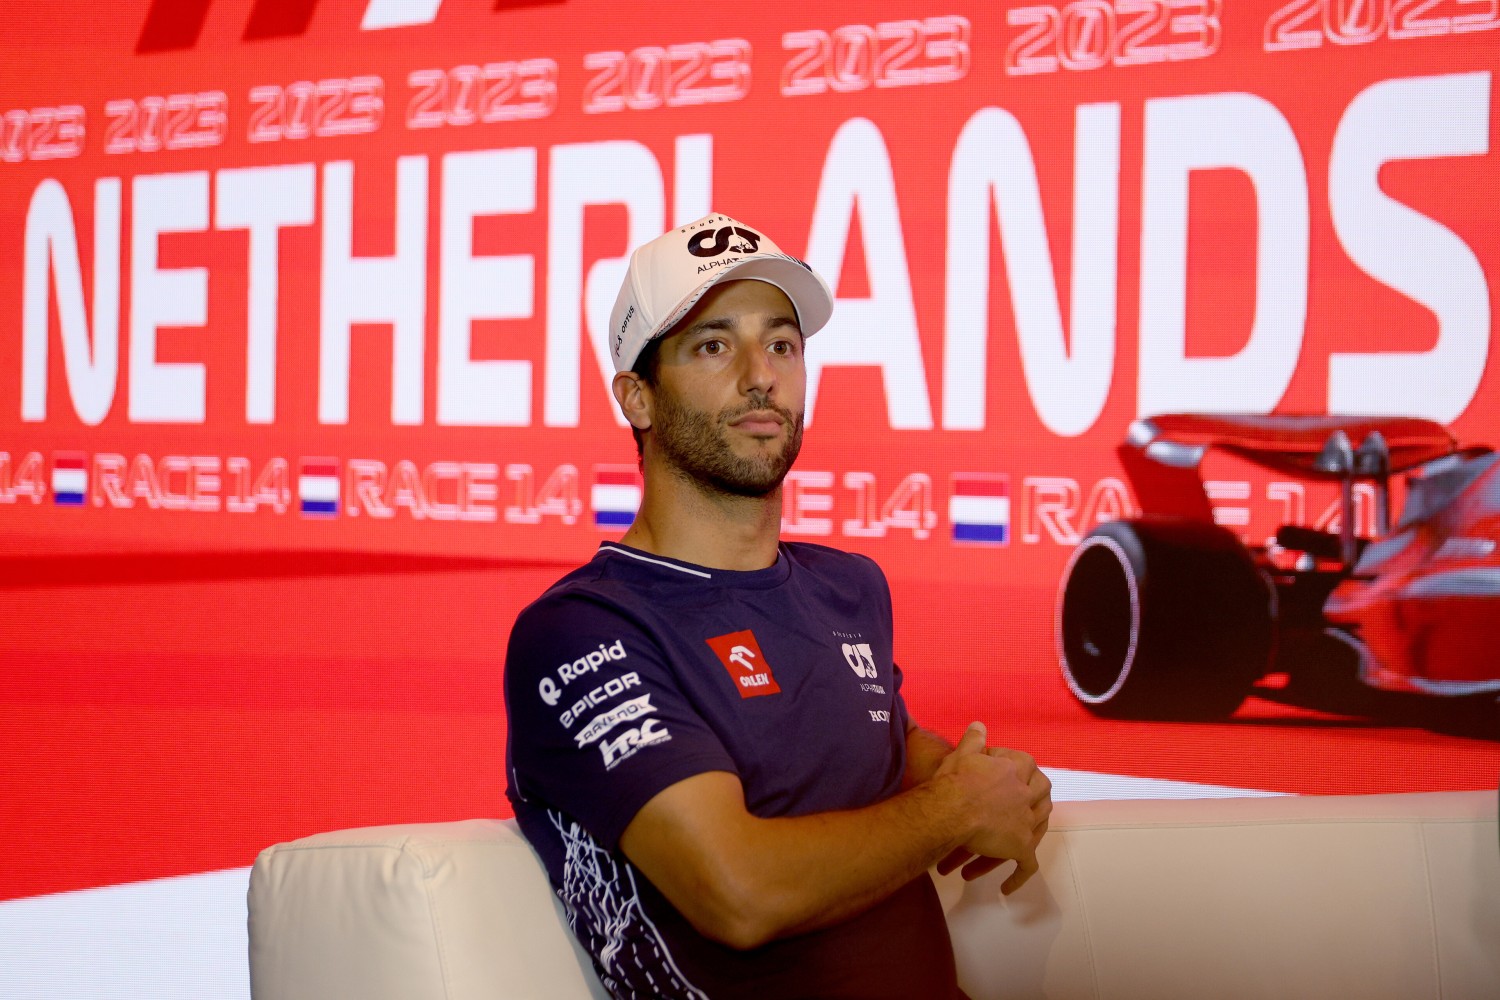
(727, 404)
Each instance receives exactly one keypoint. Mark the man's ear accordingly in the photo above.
(633, 396)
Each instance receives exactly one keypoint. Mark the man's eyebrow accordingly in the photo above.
(717, 323)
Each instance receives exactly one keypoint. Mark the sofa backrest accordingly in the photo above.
(1341, 896)
(1378, 896)
(434, 911)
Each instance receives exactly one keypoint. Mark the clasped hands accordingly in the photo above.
(1011, 801)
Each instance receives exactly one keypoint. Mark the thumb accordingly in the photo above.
(973, 739)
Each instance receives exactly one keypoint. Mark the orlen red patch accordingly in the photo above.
(741, 656)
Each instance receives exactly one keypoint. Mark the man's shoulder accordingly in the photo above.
(588, 593)
(619, 574)
(821, 559)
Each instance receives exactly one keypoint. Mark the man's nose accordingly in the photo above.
(757, 373)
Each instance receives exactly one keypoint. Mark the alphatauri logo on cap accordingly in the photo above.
(699, 245)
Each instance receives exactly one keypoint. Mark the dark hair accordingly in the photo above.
(647, 366)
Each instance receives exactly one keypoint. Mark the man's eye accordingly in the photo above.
(712, 347)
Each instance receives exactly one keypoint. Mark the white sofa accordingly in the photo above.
(1346, 896)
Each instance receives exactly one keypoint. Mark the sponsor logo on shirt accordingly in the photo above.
(860, 659)
(551, 691)
(629, 741)
(626, 711)
(609, 689)
(747, 665)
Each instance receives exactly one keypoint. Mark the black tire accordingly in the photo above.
(1163, 618)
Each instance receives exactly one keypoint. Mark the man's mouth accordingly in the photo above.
(759, 422)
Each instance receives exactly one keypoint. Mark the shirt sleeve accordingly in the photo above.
(900, 717)
(598, 724)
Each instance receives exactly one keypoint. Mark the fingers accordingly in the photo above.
(974, 866)
(973, 739)
(1019, 756)
(980, 867)
(1041, 787)
(1026, 866)
(1035, 778)
(1025, 764)
(1016, 800)
(955, 858)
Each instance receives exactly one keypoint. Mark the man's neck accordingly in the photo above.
(689, 521)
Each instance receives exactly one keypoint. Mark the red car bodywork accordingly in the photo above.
(1417, 602)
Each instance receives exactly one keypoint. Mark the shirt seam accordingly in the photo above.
(657, 562)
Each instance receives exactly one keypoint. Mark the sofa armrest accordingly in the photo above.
(1331, 897)
(1319, 897)
(439, 911)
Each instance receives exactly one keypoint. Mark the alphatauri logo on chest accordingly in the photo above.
(747, 665)
(861, 659)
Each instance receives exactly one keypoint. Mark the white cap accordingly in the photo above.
(668, 276)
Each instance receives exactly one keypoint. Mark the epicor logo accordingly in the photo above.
(696, 243)
(860, 659)
(741, 656)
(551, 691)
(609, 689)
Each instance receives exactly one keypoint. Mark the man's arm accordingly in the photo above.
(744, 880)
(925, 750)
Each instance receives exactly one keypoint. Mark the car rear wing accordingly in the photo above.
(1162, 454)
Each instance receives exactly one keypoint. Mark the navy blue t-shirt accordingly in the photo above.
(634, 672)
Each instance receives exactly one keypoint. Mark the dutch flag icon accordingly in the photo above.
(318, 487)
(979, 508)
(615, 496)
(70, 479)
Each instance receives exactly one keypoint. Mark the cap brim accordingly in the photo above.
(809, 295)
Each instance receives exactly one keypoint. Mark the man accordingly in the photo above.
(708, 747)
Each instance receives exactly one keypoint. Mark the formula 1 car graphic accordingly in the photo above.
(1171, 616)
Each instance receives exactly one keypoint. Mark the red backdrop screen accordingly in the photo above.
(303, 391)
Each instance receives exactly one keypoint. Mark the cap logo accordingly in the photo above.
(624, 325)
(721, 241)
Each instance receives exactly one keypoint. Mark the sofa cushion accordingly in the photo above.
(439, 911)
(1329, 896)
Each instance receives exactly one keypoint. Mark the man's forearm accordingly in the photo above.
(745, 880)
(925, 750)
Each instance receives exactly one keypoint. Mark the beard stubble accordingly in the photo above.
(697, 447)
